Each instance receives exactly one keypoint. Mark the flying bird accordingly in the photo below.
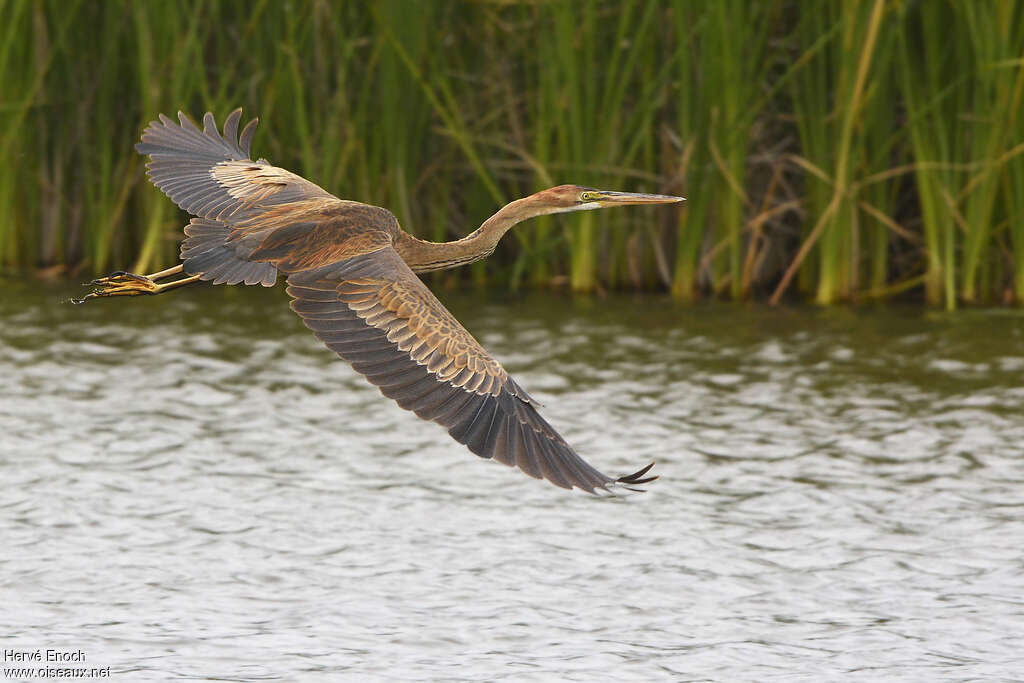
(351, 273)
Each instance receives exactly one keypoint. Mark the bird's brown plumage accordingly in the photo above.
(353, 289)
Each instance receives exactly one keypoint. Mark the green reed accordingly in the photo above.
(961, 68)
(840, 137)
(996, 38)
(717, 96)
(837, 150)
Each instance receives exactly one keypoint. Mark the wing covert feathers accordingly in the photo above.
(375, 313)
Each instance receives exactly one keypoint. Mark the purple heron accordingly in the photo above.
(351, 273)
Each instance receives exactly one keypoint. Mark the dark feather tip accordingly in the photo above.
(637, 478)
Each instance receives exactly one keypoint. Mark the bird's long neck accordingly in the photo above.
(423, 256)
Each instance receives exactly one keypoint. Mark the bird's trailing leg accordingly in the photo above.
(130, 284)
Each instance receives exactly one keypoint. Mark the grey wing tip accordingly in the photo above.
(630, 480)
(245, 141)
(164, 136)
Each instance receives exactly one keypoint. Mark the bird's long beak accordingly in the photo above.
(610, 198)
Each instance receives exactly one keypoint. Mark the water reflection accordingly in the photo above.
(194, 487)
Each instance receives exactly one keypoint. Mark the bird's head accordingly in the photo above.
(561, 199)
(578, 198)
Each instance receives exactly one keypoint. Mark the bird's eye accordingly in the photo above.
(588, 196)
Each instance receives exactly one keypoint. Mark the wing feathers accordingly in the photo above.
(245, 142)
(525, 458)
(375, 313)
(211, 175)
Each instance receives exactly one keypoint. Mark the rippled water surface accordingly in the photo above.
(193, 488)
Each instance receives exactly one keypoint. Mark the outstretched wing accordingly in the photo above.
(237, 202)
(212, 176)
(374, 312)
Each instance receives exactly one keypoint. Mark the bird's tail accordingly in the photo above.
(211, 251)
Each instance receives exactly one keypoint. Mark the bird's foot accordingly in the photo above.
(119, 283)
